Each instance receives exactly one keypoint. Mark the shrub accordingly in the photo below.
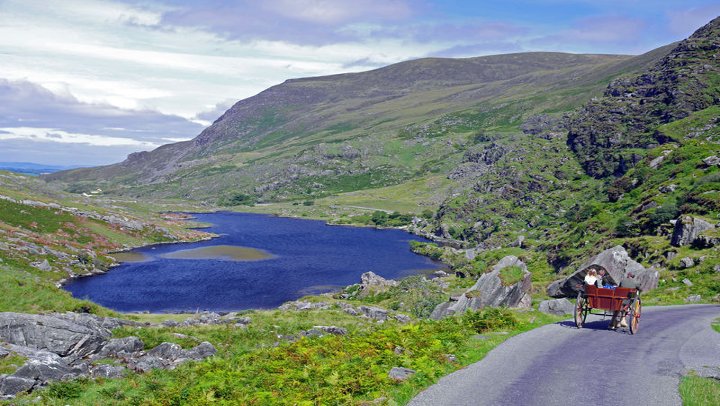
(490, 319)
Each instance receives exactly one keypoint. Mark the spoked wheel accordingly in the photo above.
(634, 315)
(580, 313)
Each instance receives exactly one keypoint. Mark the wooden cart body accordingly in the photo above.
(623, 300)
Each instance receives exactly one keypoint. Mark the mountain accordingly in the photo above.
(30, 168)
(314, 137)
(609, 134)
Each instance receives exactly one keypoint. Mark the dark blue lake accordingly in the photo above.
(306, 257)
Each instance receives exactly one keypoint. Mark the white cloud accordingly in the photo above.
(64, 137)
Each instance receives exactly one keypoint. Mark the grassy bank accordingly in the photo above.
(255, 366)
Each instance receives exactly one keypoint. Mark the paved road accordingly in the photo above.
(561, 365)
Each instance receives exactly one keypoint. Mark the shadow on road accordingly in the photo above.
(601, 324)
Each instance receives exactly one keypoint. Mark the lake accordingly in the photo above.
(259, 261)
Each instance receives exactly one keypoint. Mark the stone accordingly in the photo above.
(519, 241)
(687, 282)
(3, 352)
(490, 291)
(687, 262)
(370, 279)
(167, 351)
(43, 265)
(693, 299)
(54, 334)
(687, 229)
(302, 305)
(13, 385)
(118, 347)
(402, 318)
(705, 241)
(338, 331)
(440, 274)
(400, 373)
(374, 312)
(108, 371)
(668, 188)
(557, 307)
(670, 255)
(201, 351)
(451, 358)
(617, 262)
(716, 268)
(44, 371)
(712, 161)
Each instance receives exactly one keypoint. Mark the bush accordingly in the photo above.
(490, 319)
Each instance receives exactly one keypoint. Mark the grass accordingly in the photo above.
(251, 369)
(10, 363)
(511, 275)
(699, 391)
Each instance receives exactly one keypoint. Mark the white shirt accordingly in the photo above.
(590, 279)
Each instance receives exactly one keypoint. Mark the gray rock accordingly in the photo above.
(400, 373)
(716, 268)
(3, 352)
(402, 318)
(440, 274)
(44, 371)
(43, 265)
(167, 351)
(14, 385)
(338, 331)
(668, 188)
(118, 347)
(54, 334)
(687, 262)
(302, 305)
(687, 282)
(147, 363)
(371, 279)
(201, 351)
(712, 161)
(108, 371)
(616, 262)
(693, 298)
(687, 229)
(490, 291)
(374, 312)
(557, 307)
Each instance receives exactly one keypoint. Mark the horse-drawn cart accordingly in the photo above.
(626, 301)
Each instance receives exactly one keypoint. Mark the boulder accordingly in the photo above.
(108, 371)
(13, 385)
(119, 347)
(712, 161)
(400, 373)
(616, 262)
(43, 265)
(489, 290)
(687, 282)
(693, 299)
(687, 262)
(687, 229)
(52, 333)
(169, 356)
(371, 279)
(558, 307)
(374, 312)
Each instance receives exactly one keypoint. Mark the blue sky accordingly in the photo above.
(86, 82)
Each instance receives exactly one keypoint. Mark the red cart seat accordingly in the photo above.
(607, 299)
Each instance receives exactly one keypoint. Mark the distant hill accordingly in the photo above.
(30, 168)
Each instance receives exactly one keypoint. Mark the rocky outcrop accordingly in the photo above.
(616, 262)
(490, 290)
(400, 374)
(371, 283)
(688, 229)
(66, 346)
(558, 307)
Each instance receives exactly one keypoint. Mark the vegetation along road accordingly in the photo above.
(559, 365)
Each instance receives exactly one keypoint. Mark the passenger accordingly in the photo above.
(618, 319)
(604, 280)
(591, 277)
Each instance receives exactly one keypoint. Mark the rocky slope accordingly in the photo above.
(609, 134)
(312, 137)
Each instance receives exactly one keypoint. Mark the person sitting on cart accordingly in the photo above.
(605, 280)
(618, 319)
(591, 277)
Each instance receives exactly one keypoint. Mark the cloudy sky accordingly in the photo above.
(85, 82)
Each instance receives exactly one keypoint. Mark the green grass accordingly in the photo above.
(251, 369)
(10, 363)
(698, 391)
(511, 275)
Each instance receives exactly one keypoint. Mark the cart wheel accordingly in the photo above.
(634, 315)
(580, 313)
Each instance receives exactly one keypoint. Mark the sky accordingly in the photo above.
(86, 82)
